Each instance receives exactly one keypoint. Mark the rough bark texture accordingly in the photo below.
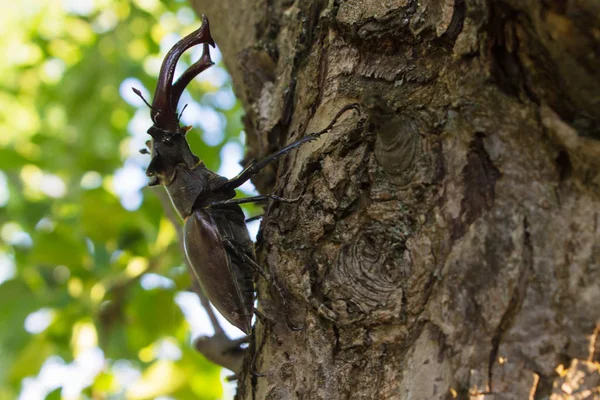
(447, 244)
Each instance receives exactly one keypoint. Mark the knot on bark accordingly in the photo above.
(365, 277)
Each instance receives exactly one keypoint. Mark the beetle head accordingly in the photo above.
(169, 149)
(168, 146)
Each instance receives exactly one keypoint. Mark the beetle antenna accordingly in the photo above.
(181, 113)
(139, 94)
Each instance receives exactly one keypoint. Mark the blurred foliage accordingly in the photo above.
(90, 268)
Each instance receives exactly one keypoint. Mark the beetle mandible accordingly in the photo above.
(216, 240)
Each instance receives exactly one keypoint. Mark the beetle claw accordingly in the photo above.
(262, 317)
(257, 374)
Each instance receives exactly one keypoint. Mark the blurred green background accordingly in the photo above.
(94, 295)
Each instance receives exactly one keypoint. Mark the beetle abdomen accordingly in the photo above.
(227, 287)
(231, 224)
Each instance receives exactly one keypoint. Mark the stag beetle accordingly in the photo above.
(216, 240)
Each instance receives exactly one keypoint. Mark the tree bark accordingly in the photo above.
(447, 243)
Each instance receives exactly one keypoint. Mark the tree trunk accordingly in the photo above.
(447, 243)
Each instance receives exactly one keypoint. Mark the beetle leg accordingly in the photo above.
(262, 317)
(254, 199)
(255, 167)
(268, 277)
(255, 218)
(253, 371)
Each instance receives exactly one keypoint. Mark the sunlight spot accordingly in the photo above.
(152, 65)
(231, 154)
(114, 257)
(194, 313)
(169, 23)
(39, 320)
(13, 234)
(91, 180)
(211, 122)
(37, 181)
(229, 386)
(81, 372)
(84, 337)
(168, 41)
(45, 225)
(223, 99)
(166, 235)
(53, 70)
(148, 5)
(216, 76)
(90, 246)
(81, 31)
(32, 390)
(56, 116)
(186, 16)
(31, 176)
(97, 293)
(153, 281)
(4, 193)
(23, 53)
(146, 354)
(7, 267)
(167, 349)
(53, 186)
(253, 228)
(78, 7)
(125, 372)
(160, 377)
(106, 21)
(51, 376)
(136, 266)
(128, 182)
(137, 127)
(75, 287)
(73, 377)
